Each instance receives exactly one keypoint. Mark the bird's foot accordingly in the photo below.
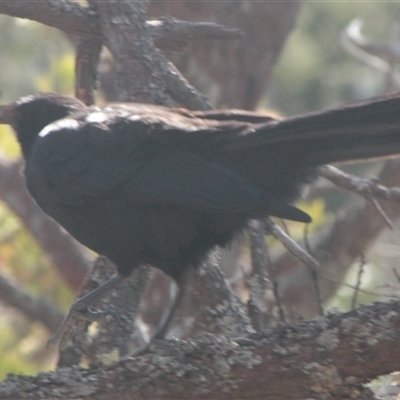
(75, 325)
(76, 321)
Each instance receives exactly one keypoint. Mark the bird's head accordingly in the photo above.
(30, 114)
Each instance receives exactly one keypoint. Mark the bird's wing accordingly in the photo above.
(180, 178)
(183, 179)
(91, 165)
(116, 165)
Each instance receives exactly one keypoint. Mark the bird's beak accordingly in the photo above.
(7, 113)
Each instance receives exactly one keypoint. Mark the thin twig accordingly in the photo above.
(358, 282)
(305, 238)
(301, 254)
(396, 274)
(291, 245)
(364, 187)
(368, 188)
(381, 212)
(360, 48)
(275, 289)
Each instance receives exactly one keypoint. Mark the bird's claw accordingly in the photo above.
(75, 324)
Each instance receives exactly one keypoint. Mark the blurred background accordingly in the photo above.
(335, 52)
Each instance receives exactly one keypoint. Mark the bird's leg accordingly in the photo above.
(169, 313)
(166, 319)
(79, 312)
(182, 282)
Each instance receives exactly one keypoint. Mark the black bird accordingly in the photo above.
(144, 184)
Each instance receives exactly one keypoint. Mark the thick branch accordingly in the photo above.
(123, 25)
(174, 34)
(327, 358)
(180, 89)
(34, 308)
(73, 19)
(86, 66)
(64, 15)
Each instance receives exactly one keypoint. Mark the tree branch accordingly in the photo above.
(63, 250)
(67, 16)
(34, 308)
(363, 187)
(328, 358)
(338, 246)
(172, 34)
(86, 67)
(71, 18)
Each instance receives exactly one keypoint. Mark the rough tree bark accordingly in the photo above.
(327, 358)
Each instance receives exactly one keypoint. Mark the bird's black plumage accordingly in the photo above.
(143, 184)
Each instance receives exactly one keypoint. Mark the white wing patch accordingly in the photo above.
(96, 117)
(67, 123)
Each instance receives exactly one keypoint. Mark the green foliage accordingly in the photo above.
(59, 78)
(8, 142)
(317, 210)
